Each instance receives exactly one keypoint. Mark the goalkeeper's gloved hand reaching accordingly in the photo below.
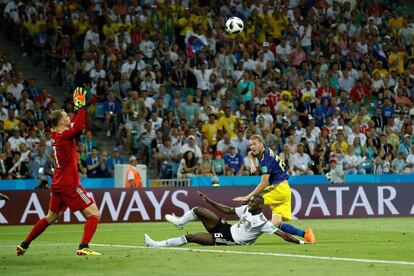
(79, 98)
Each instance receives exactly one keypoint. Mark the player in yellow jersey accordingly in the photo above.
(274, 187)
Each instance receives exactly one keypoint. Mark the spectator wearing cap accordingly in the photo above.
(234, 162)
(301, 162)
(191, 146)
(218, 164)
(112, 161)
(133, 178)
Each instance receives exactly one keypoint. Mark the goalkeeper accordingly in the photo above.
(251, 225)
(67, 190)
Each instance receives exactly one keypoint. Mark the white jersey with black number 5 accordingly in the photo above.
(250, 227)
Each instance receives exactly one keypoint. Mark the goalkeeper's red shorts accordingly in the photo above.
(76, 199)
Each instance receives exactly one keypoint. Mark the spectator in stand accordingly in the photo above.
(82, 166)
(41, 164)
(16, 140)
(234, 162)
(206, 168)
(224, 144)
(218, 164)
(133, 178)
(11, 122)
(112, 110)
(398, 165)
(112, 161)
(352, 163)
(188, 165)
(241, 143)
(96, 164)
(301, 162)
(189, 110)
(89, 141)
(16, 166)
(191, 146)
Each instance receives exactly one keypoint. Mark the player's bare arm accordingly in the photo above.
(252, 159)
(289, 237)
(221, 207)
(259, 188)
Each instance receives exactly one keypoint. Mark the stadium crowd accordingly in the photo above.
(328, 84)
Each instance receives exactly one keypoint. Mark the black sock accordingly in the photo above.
(25, 245)
(82, 246)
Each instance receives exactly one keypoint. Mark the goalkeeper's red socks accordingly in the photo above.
(37, 229)
(89, 230)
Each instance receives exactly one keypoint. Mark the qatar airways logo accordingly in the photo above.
(132, 209)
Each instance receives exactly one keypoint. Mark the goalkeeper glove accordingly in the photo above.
(79, 97)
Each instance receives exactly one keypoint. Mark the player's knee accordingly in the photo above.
(189, 237)
(53, 217)
(198, 210)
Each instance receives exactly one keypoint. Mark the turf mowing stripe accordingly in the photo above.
(261, 253)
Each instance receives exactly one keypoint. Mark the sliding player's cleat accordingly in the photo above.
(148, 242)
(87, 252)
(174, 221)
(310, 236)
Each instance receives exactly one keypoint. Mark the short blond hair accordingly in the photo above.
(257, 138)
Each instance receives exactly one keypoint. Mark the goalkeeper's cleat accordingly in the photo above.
(310, 236)
(87, 252)
(174, 221)
(148, 242)
(20, 250)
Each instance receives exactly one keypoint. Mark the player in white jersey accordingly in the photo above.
(251, 225)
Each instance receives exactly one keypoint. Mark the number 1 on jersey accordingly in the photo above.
(55, 156)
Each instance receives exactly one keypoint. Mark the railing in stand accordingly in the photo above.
(170, 183)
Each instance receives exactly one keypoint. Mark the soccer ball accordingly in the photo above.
(234, 25)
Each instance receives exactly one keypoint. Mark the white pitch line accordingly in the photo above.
(235, 252)
(261, 253)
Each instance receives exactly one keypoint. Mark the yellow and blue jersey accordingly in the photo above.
(271, 164)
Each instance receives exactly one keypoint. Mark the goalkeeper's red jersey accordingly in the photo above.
(64, 152)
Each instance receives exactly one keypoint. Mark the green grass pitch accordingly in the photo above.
(53, 253)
